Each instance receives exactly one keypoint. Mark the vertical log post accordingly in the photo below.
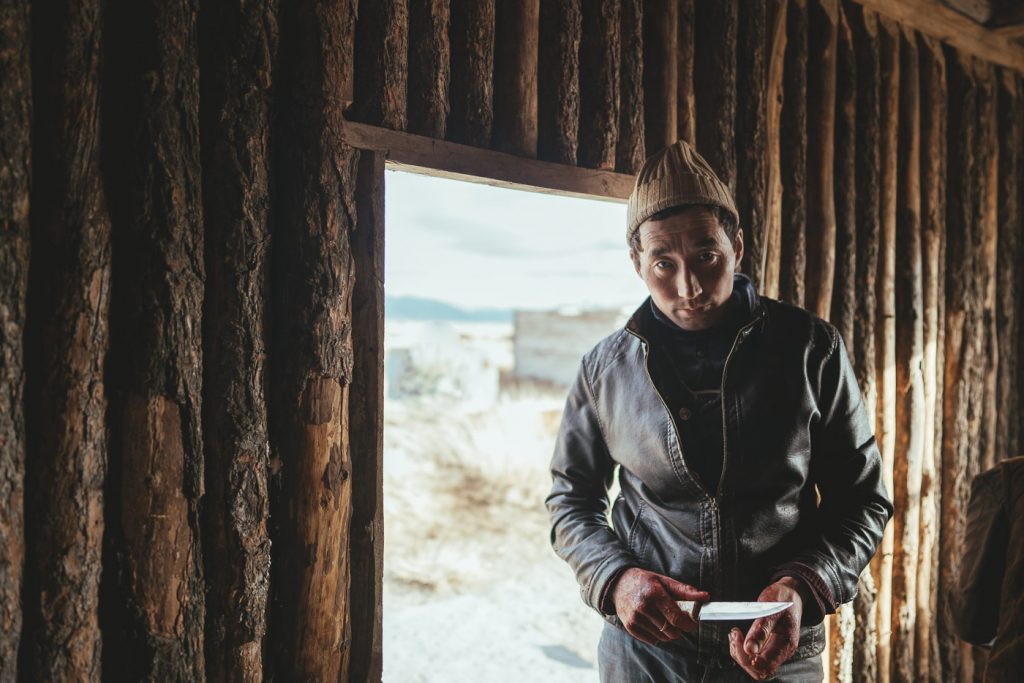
(910, 410)
(714, 85)
(599, 84)
(382, 53)
(771, 254)
(988, 218)
(823, 22)
(69, 294)
(515, 77)
(660, 73)
(686, 104)
(933, 230)
(751, 134)
(472, 86)
(1010, 273)
(235, 119)
(558, 81)
(15, 176)
(429, 67)
(793, 157)
(366, 422)
(630, 149)
(311, 355)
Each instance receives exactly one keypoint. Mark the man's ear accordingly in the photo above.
(737, 245)
(635, 258)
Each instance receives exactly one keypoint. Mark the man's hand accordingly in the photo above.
(771, 640)
(645, 604)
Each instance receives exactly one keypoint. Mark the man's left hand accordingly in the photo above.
(772, 640)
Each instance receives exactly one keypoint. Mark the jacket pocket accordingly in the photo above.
(639, 536)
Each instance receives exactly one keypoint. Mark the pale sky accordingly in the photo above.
(477, 246)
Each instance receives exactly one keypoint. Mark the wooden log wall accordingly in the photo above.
(191, 260)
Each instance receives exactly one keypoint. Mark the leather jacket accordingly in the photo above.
(793, 425)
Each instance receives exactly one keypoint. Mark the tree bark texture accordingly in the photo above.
(630, 150)
(885, 329)
(714, 84)
(15, 181)
(382, 55)
(236, 96)
(911, 432)
(429, 67)
(660, 73)
(751, 135)
(366, 422)
(472, 72)
(69, 294)
(686, 104)
(1011, 275)
(865, 633)
(311, 350)
(771, 254)
(599, 84)
(988, 217)
(558, 81)
(823, 23)
(962, 376)
(155, 624)
(793, 158)
(844, 295)
(515, 77)
(933, 230)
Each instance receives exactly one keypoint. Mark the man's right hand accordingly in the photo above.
(645, 603)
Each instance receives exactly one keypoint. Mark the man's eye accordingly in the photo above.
(707, 257)
(663, 265)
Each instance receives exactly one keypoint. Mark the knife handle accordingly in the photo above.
(691, 608)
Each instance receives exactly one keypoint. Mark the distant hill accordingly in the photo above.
(416, 308)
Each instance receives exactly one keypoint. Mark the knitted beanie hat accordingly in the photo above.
(675, 176)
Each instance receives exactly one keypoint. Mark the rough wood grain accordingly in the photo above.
(472, 85)
(599, 84)
(630, 150)
(793, 158)
(310, 362)
(911, 432)
(155, 611)
(988, 218)
(381, 62)
(933, 229)
(771, 254)
(558, 81)
(366, 420)
(751, 135)
(686, 114)
(823, 23)
(714, 85)
(515, 77)
(429, 67)
(15, 181)
(844, 295)
(238, 50)
(660, 73)
(68, 305)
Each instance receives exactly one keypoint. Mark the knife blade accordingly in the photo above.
(731, 611)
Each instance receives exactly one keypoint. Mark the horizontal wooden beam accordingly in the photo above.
(440, 158)
(935, 19)
(1012, 32)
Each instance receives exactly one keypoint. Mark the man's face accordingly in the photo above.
(687, 262)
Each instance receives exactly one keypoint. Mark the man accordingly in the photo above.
(988, 606)
(726, 414)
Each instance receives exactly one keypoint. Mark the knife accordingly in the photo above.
(731, 611)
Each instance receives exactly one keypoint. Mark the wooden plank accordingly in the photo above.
(751, 136)
(660, 73)
(911, 432)
(630, 150)
(823, 21)
(515, 77)
(471, 117)
(793, 158)
(599, 84)
(933, 230)
(686, 115)
(988, 218)
(772, 252)
(844, 296)
(429, 67)
(714, 85)
(933, 18)
(366, 422)
(558, 81)
(461, 162)
(381, 68)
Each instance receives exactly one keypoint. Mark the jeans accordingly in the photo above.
(624, 659)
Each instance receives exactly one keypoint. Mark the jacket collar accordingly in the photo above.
(743, 290)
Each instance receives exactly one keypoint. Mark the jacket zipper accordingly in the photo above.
(725, 369)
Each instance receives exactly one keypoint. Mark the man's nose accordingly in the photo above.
(687, 285)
